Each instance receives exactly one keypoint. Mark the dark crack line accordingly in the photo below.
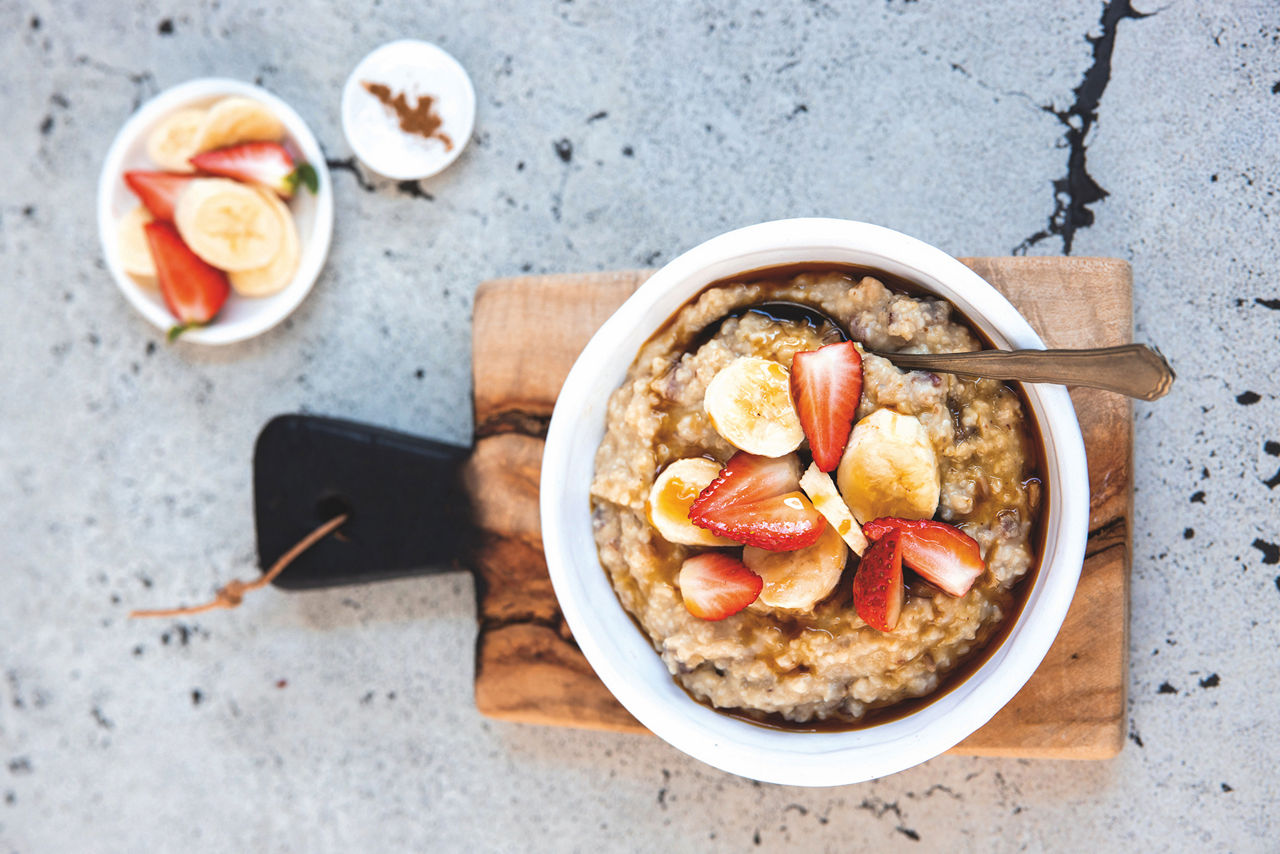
(412, 189)
(1077, 190)
(350, 165)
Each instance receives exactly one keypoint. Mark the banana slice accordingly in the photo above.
(749, 404)
(278, 272)
(173, 142)
(889, 468)
(817, 484)
(798, 580)
(228, 224)
(669, 500)
(134, 251)
(234, 120)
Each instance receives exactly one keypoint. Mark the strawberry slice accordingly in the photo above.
(265, 163)
(757, 501)
(826, 384)
(943, 554)
(877, 588)
(193, 290)
(715, 586)
(158, 191)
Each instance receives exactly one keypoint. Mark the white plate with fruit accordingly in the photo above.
(215, 210)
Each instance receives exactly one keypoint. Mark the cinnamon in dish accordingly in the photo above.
(419, 120)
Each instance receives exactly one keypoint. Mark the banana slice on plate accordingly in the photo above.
(798, 580)
(234, 120)
(131, 240)
(669, 500)
(749, 404)
(889, 468)
(278, 272)
(817, 484)
(173, 142)
(228, 224)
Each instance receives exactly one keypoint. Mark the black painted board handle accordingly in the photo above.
(408, 512)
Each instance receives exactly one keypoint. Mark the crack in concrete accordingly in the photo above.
(1077, 190)
(995, 90)
(412, 189)
(144, 83)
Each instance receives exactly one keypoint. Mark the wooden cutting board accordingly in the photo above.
(527, 333)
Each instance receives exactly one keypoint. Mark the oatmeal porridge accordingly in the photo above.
(701, 436)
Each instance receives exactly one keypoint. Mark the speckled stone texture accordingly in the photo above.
(609, 135)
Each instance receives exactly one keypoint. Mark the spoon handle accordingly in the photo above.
(1135, 370)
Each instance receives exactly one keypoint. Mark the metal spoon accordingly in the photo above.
(1135, 370)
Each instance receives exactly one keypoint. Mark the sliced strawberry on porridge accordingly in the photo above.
(942, 554)
(877, 588)
(714, 585)
(826, 385)
(757, 501)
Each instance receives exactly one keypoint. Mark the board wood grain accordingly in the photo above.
(527, 332)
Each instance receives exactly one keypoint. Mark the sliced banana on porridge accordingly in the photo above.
(749, 404)
(798, 580)
(670, 497)
(889, 468)
(826, 499)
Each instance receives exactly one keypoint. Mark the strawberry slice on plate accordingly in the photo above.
(826, 385)
(193, 290)
(942, 554)
(757, 501)
(266, 163)
(877, 588)
(158, 191)
(715, 586)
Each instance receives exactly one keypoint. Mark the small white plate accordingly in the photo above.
(416, 68)
(241, 317)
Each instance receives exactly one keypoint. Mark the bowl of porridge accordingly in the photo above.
(786, 556)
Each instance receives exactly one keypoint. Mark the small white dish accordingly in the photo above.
(415, 68)
(619, 651)
(241, 317)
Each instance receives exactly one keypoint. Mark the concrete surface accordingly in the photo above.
(343, 720)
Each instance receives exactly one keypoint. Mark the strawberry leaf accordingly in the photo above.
(304, 174)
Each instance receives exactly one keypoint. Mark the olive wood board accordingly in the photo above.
(527, 331)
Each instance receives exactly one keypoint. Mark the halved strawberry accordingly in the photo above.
(826, 384)
(158, 191)
(877, 588)
(941, 553)
(265, 163)
(715, 586)
(757, 501)
(193, 290)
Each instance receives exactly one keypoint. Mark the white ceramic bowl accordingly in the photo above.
(240, 317)
(623, 657)
(415, 68)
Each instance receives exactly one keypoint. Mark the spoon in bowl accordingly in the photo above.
(1135, 370)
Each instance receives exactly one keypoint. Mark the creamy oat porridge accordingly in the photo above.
(746, 576)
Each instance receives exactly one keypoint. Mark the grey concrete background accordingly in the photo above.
(343, 720)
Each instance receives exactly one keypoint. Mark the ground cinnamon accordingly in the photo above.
(420, 120)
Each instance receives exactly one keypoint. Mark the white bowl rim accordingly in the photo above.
(315, 246)
(616, 648)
